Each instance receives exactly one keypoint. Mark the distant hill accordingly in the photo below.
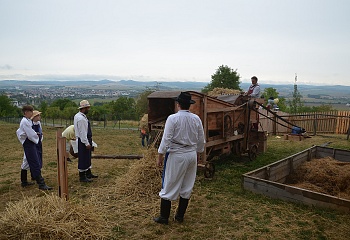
(283, 89)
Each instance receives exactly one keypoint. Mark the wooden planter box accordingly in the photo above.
(269, 180)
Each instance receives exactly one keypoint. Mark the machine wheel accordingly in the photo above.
(209, 170)
(253, 152)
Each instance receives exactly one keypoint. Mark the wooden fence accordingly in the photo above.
(333, 122)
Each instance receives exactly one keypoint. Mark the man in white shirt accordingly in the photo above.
(83, 135)
(183, 140)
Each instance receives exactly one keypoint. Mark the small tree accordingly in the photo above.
(224, 77)
(296, 104)
(43, 108)
(53, 113)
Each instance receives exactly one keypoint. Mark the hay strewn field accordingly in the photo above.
(121, 203)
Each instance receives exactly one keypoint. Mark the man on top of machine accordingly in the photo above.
(254, 89)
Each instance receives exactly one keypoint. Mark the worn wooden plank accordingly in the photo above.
(62, 170)
(279, 170)
(116, 156)
(294, 194)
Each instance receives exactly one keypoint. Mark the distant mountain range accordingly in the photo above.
(283, 89)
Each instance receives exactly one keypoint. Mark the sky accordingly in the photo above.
(182, 40)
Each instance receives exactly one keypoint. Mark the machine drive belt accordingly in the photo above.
(274, 115)
(273, 119)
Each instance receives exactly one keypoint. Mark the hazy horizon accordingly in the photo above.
(176, 40)
(247, 82)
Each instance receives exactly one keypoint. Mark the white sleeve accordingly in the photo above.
(201, 138)
(167, 136)
(256, 92)
(31, 134)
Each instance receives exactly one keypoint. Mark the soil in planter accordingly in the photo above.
(323, 175)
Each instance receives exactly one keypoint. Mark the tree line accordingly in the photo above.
(125, 108)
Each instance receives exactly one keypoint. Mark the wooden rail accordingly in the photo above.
(333, 122)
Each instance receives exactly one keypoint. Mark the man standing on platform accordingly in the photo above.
(254, 89)
(83, 135)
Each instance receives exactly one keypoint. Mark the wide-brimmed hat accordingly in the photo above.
(184, 97)
(84, 104)
(35, 113)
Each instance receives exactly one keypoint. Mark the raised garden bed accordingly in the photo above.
(274, 179)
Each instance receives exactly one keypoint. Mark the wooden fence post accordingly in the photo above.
(315, 124)
(62, 172)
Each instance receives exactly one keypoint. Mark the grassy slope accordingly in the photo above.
(219, 208)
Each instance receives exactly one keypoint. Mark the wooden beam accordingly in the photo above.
(117, 156)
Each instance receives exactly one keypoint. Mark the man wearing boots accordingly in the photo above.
(29, 139)
(83, 135)
(182, 141)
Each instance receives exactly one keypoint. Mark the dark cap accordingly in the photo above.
(184, 97)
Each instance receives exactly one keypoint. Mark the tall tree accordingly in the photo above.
(6, 107)
(142, 103)
(62, 103)
(124, 108)
(296, 104)
(224, 77)
(43, 108)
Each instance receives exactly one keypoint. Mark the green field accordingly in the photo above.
(124, 198)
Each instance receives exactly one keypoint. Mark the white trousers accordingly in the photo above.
(179, 175)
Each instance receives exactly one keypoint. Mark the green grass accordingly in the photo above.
(219, 208)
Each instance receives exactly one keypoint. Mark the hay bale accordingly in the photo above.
(50, 217)
(223, 91)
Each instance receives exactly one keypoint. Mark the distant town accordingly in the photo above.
(34, 92)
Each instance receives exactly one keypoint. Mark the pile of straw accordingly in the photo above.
(50, 217)
(325, 175)
(143, 180)
(223, 91)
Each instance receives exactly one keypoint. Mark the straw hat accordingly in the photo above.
(84, 104)
(35, 113)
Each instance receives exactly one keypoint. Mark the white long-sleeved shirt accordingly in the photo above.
(25, 131)
(81, 127)
(69, 133)
(183, 132)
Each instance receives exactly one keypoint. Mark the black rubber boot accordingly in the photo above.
(24, 181)
(165, 206)
(183, 203)
(90, 175)
(42, 185)
(83, 178)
